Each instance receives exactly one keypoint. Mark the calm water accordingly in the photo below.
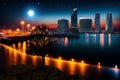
(92, 48)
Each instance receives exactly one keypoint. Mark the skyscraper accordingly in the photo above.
(109, 23)
(74, 18)
(63, 26)
(97, 22)
(85, 25)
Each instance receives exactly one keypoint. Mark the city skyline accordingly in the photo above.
(97, 22)
(63, 26)
(74, 18)
(109, 23)
(85, 25)
(49, 11)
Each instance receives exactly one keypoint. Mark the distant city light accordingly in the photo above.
(116, 67)
(9, 30)
(47, 57)
(31, 13)
(99, 64)
(18, 29)
(28, 25)
(84, 18)
(60, 58)
(72, 59)
(22, 22)
(33, 28)
(82, 62)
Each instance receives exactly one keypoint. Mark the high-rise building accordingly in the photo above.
(74, 23)
(63, 26)
(109, 23)
(85, 25)
(97, 22)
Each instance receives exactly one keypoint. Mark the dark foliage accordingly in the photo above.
(40, 44)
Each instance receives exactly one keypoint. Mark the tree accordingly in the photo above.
(40, 43)
(42, 30)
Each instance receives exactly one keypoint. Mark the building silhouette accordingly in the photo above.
(74, 23)
(85, 25)
(63, 26)
(97, 22)
(109, 23)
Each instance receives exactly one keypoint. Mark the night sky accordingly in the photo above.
(49, 11)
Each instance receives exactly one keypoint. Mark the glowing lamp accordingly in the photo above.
(33, 28)
(28, 25)
(72, 59)
(18, 29)
(99, 63)
(22, 22)
(60, 58)
(82, 62)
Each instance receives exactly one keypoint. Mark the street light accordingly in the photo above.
(28, 27)
(17, 29)
(22, 23)
(33, 28)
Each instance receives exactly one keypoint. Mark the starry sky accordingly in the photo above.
(49, 11)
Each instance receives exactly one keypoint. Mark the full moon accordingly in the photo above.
(30, 12)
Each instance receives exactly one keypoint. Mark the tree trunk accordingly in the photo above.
(43, 60)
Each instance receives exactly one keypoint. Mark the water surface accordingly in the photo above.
(92, 48)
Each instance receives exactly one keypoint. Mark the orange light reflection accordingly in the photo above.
(14, 55)
(102, 40)
(23, 46)
(82, 68)
(19, 46)
(9, 56)
(34, 60)
(99, 66)
(58, 63)
(66, 41)
(72, 68)
(47, 60)
(64, 65)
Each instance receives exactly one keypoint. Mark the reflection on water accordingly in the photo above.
(87, 38)
(19, 45)
(66, 41)
(109, 39)
(15, 55)
(63, 41)
(102, 40)
(94, 38)
(116, 73)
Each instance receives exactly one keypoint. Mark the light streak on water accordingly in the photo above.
(16, 57)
